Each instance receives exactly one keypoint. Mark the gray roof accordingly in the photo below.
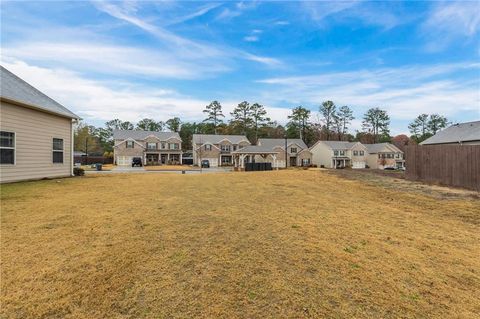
(215, 139)
(462, 132)
(377, 148)
(339, 145)
(16, 89)
(141, 135)
(255, 149)
(274, 142)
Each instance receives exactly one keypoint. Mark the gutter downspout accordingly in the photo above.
(71, 147)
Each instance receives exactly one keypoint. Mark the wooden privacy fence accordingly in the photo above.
(451, 165)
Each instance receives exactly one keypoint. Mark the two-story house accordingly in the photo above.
(339, 154)
(217, 149)
(296, 154)
(154, 148)
(382, 155)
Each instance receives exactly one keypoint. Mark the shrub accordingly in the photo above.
(78, 171)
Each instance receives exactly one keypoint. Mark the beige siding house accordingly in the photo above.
(383, 155)
(36, 133)
(297, 153)
(339, 154)
(217, 149)
(154, 148)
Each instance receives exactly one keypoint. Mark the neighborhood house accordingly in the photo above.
(383, 155)
(36, 138)
(339, 154)
(216, 149)
(153, 148)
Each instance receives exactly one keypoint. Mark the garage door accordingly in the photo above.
(358, 165)
(124, 160)
(213, 161)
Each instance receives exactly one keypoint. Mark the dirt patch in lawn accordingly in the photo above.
(396, 180)
(280, 244)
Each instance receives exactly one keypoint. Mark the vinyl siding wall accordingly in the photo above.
(34, 133)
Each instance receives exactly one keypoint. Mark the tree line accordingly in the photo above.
(252, 120)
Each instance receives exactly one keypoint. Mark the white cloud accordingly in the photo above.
(113, 59)
(251, 38)
(451, 20)
(182, 46)
(404, 92)
(97, 101)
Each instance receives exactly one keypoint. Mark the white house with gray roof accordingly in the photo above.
(36, 138)
(339, 154)
(293, 151)
(154, 148)
(217, 149)
(383, 155)
(460, 133)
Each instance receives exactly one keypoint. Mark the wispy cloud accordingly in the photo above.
(98, 101)
(251, 38)
(187, 46)
(449, 21)
(198, 13)
(404, 91)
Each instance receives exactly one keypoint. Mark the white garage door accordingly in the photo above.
(124, 160)
(213, 161)
(358, 165)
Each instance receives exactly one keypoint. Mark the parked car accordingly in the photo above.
(137, 161)
(205, 164)
(389, 168)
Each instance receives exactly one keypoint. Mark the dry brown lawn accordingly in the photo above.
(170, 167)
(286, 244)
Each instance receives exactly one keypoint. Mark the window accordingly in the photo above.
(342, 153)
(163, 145)
(362, 153)
(129, 144)
(305, 161)
(293, 150)
(152, 146)
(225, 148)
(173, 146)
(58, 150)
(355, 153)
(389, 155)
(208, 147)
(234, 147)
(7, 147)
(335, 153)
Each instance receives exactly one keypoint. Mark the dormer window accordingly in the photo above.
(208, 147)
(129, 144)
(293, 150)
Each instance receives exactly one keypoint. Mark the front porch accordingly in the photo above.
(340, 162)
(160, 158)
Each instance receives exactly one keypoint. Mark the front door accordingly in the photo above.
(152, 159)
(163, 159)
(293, 161)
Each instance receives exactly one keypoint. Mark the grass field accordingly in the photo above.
(286, 244)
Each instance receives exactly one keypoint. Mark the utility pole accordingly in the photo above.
(86, 150)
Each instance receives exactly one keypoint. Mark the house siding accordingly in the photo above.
(34, 133)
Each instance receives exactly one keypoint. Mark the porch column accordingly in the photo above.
(274, 157)
(168, 158)
(144, 159)
(181, 158)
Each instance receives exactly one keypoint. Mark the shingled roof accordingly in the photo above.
(215, 139)
(141, 135)
(380, 147)
(457, 133)
(280, 142)
(15, 90)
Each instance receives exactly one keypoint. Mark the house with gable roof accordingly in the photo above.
(217, 149)
(154, 148)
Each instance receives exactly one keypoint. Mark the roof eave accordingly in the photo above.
(38, 108)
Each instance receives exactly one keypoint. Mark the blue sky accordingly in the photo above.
(136, 59)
